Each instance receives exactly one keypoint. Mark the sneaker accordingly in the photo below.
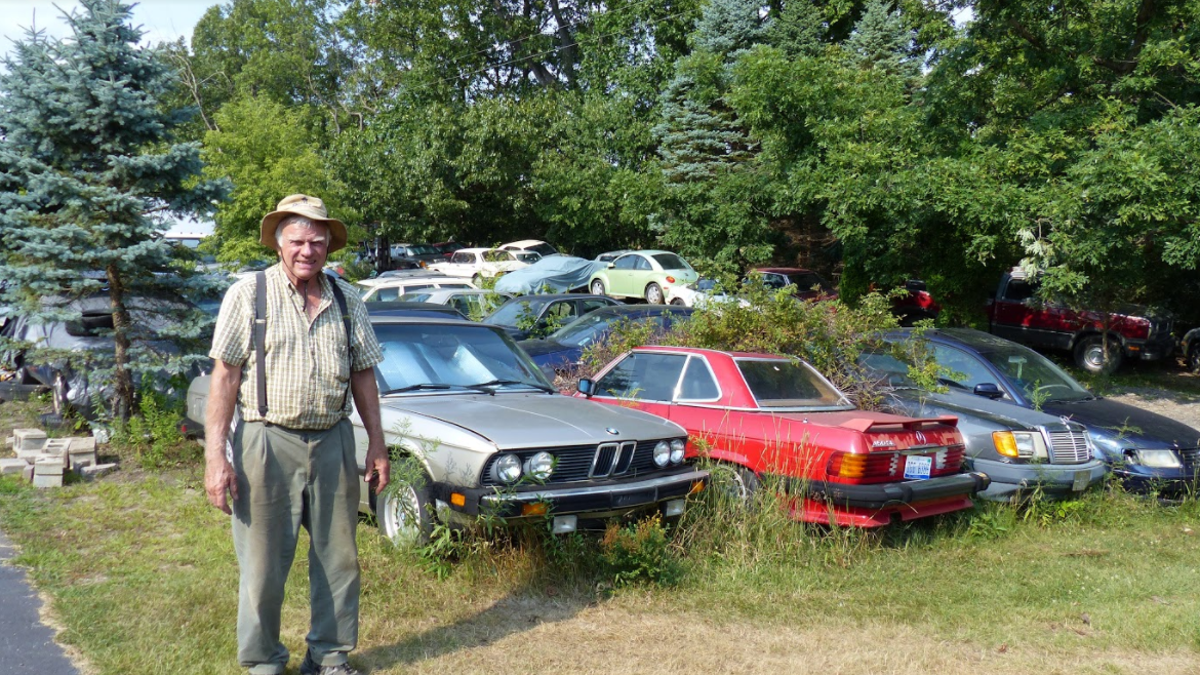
(310, 667)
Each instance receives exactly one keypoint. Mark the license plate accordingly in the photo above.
(917, 466)
(1081, 481)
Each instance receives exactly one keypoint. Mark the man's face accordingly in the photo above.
(304, 249)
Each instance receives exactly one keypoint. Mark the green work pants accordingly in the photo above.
(288, 479)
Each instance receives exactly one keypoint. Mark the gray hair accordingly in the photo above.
(302, 222)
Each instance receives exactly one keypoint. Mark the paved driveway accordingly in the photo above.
(27, 645)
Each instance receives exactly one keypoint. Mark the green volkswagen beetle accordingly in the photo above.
(643, 274)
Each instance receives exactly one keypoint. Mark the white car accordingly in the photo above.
(700, 294)
(388, 289)
(478, 264)
(530, 246)
(474, 303)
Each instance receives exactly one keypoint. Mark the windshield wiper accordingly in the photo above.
(430, 386)
(535, 385)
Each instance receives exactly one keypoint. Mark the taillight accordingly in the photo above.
(670, 280)
(847, 465)
(883, 467)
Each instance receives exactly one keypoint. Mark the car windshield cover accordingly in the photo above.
(670, 261)
(779, 383)
(1035, 374)
(452, 356)
(510, 313)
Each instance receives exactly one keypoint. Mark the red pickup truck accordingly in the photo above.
(1133, 332)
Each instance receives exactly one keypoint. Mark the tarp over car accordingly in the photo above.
(552, 274)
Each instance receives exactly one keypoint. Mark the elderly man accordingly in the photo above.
(289, 348)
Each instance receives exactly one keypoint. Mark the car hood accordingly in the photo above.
(964, 404)
(514, 421)
(1127, 425)
(544, 347)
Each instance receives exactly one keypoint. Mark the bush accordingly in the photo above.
(152, 436)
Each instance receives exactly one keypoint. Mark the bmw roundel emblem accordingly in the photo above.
(613, 431)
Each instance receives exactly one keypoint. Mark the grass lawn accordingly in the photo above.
(140, 575)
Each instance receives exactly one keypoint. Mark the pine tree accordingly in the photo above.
(882, 41)
(88, 177)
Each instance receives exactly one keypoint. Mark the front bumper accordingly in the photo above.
(883, 495)
(598, 499)
(1166, 483)
(1154, 349)
(1053, 480)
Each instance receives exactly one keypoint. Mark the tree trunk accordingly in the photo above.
(122, 377)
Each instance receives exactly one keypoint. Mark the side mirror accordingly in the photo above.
(586, 387)
(988, 390)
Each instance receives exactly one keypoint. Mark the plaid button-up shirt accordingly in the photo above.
(308, 373)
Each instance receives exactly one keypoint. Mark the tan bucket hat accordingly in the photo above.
(309, 207)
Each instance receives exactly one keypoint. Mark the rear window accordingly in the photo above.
(670, 261)
(777, 383)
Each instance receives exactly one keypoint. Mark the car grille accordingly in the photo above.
(1069, 447)
(1191, 459)
(582, 462)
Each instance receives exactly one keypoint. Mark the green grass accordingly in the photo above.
(145, 567)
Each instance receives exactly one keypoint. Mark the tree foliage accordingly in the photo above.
(88, 173)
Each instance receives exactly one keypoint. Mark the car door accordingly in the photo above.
(965, 370)
(645, 381)
(618, 275)
(1019, 315)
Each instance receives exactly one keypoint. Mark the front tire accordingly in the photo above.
(678, 302)
(735, 484)
(1091, 355)
(597, 287)
(403, 510)
(654, 294)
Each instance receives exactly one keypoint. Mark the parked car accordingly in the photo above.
(609, 256)
(1146, 451)
(532, 316)
(390, 288)
(643, 274)
(804, 284)
(421, 310)
(480, 431)
(553, 274)
(563, 349)
(701, 293)
(447, 248)
(1190, 346)
(768, 415)
(530, 246)
(415, 255)
(478, 264)
(1023, 451)
(471, 302)
(1016, 313)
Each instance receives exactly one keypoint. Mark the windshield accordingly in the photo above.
(670, 261)
(542, 249)
(808, 280)
(510, 313)
(454, 355)
(1035, 374)
(586, 329)
(778, 383)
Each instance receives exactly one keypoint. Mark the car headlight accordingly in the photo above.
(1156, 459)
(662, 453)
(677, 446)
(507, 468)
(1020, 444)
(540, 465)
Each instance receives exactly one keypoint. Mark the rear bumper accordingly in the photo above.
(595, 500)
(1052, 480)
(884, 495)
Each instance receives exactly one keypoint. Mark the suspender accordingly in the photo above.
(260, 336)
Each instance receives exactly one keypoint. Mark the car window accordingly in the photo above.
(1018, 290)
(409, 288)
(386, 294)
(698, 381)
(966, 371)
(808, 281)
(642, 264)
(779, 383)
(462, 258)
(498, 256)
(1035, 374)
(627, 262)
(642, 376)
(465, 303)
(416, 297)
(670, 261)
(588, 305)
(451, 284)
(563, 309)
(509, 313)
(423, 249)
(772, 280)
(543, 249)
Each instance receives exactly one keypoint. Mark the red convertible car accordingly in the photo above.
(772, 415)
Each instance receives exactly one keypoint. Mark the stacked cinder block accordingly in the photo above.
(44, 461)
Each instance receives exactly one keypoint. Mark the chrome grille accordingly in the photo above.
(581, 462)
(1191, 459)
(1069, 447)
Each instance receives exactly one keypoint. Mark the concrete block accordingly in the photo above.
(28, 439)
(48, 473)
(27, 473)
(58, 447)
(93, 472)
(82, 444)
(80, 460)
(28, 455)
(10, 465)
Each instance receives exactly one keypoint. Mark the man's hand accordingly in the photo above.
(378, 470)
(220, 478)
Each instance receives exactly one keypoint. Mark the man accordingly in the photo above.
(291, 461)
